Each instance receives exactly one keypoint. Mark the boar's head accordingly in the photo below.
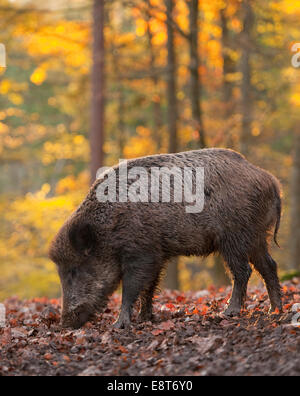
(87, 270)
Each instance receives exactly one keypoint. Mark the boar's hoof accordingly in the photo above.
(122, 323)
(232, 311)
(275, 310)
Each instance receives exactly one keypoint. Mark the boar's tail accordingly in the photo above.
(278, 204)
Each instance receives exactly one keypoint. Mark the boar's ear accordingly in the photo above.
(83, 238)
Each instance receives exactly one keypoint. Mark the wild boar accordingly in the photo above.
(108, 241)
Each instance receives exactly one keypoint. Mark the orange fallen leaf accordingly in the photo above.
(123, 349)
(204, 310)
(168, 325)
(170, 306)
(156, 332)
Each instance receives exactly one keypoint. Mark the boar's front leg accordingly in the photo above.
(130, 293)
(147, 302)
(138, 276)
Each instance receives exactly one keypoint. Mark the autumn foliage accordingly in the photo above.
(45, 110)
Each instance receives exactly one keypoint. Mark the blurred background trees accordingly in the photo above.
(89, 82)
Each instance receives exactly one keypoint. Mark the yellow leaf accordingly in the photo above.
(15, 98)
(38, 76)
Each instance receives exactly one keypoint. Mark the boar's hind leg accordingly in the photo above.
(267, 268)
(241, 273)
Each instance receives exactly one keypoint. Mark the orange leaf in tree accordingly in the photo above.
(48, 356)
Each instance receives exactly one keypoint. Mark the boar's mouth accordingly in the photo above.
(78, 317)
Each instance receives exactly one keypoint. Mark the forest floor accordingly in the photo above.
(189, 336)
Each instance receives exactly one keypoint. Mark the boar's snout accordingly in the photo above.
(76, 318)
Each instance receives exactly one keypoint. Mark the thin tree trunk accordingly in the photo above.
(172, 280)
(98, 96)
(121, 123)
(195, 82)
(171, 81)
(229, 67)
(247, 94)
(295, 207)
(157, 112)
(121, 127)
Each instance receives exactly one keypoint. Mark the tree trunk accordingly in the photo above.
(295, 207)
(229, 67)
(98, 96)
(172, 280)
(121, 123)
(247, 94)
(157, 112)
(195, 84)
(171, 81)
